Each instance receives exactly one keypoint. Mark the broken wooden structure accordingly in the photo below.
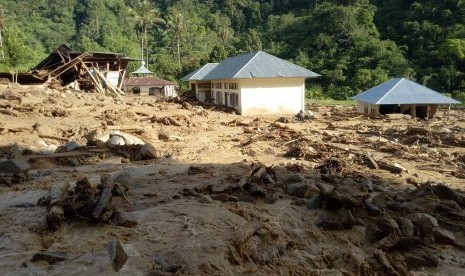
(102, 72)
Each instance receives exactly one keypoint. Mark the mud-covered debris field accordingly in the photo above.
(91, 184)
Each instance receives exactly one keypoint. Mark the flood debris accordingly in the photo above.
(86, 201)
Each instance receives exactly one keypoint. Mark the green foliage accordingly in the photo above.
(353, 44)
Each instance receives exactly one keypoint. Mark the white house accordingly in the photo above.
(150, 85)
(400, 95)
(252, 83)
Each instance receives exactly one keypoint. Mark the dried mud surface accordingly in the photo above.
(218, 199)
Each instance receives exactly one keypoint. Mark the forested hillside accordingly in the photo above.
(353, 44)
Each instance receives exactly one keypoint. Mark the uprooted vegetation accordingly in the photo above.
(148, 187)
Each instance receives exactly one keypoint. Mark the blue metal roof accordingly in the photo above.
(257, 65)
(200, 73)
(252, 65)
(402, 91)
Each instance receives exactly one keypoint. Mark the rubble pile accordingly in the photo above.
(86, 201)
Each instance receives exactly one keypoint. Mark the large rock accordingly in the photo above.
(299, 189)
(147, 152)
(168, 261)
(424, 222)
(14, 166)
(406, 227)
(336, 220)
(442, 235)
(50, 257)
(117, 255)
(122, 218)
(116, 140)
(128, 139)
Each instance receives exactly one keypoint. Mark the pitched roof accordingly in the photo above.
(200, 73)
(142, 70)
(402, 91)
(146, 81)
(257, 65)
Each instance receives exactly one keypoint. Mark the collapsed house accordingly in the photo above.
(103, 72)
(400, 95)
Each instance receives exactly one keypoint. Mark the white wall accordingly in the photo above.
(271, 96)
(169, 90)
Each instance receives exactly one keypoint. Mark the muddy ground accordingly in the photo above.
(342, 194)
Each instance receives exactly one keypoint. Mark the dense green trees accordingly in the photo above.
(353, 44)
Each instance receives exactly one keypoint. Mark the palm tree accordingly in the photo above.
(177, 25)
(2, 27)
(145, 14)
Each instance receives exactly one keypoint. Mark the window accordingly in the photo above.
(233, 99)
(233, 86)
(218, 85)
(219, 97)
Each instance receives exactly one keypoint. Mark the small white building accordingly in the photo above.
(253, 83)
(150, 85)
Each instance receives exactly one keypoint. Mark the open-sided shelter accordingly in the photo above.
(400, 95)
(252, 83)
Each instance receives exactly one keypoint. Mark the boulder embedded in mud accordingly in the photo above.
(442, 235)
(147, 152)
(299, 189)
(416, 259)
(336, 220)
(128, 139)
(117, 255)
(122, 218)
(116, 141)
(50, 257)
(14, 166)
(424, 222)
(96, 138)
(169, 261)
(406, 227)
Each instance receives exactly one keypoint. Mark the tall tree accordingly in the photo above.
(145, 15)
(177, 27)
(2, 28)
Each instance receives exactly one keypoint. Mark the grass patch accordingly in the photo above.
(330, 102)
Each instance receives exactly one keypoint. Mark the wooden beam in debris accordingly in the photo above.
(96, 83)
(111, 87)
(122, 80)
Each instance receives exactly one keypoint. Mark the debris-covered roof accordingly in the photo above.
(146, 81)
(257, 65)
(403, 91)
(200, 73)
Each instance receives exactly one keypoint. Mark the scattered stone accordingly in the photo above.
(246, 122)
(416, 259)
(70, 146)
(116, 141)
(169, 261)
(406, 227)
(368, 184)
(14, 166)
(147, 152)
(284, 120)
(186, 106)
(336, 220)
(348, 182)
(299, 189)
(55, 217)
(223, 197)
(163, 135)
(117, 255)
(442, 235)
(293, 178)
(50, 257)
(205, 199)
(424, 222)
(325, 188)
(314, 202)
(122, 218)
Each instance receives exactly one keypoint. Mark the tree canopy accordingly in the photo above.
(353, 44)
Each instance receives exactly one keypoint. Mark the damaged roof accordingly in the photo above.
(403, 91)
(146, 81)
(200, 73)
